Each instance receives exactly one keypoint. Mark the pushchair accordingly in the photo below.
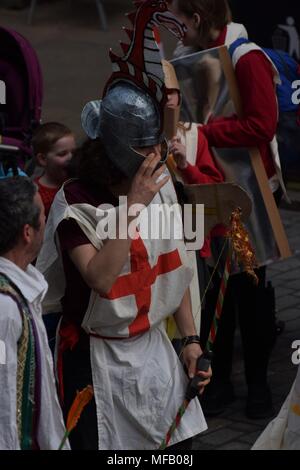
(20, 111)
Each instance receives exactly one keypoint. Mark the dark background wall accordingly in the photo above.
(262, 17)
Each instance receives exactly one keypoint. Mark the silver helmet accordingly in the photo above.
(126, 118)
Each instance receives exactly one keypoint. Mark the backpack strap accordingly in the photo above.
(28, 369)
(237, 43)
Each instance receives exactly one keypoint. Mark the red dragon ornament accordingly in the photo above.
(141, 63)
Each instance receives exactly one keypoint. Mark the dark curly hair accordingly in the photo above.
(92, 166)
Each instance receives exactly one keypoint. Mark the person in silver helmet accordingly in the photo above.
(126, 120)
(116, 292)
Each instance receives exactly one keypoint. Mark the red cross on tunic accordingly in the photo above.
(140, 281)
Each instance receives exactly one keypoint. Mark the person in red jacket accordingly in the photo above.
(209, 25)
(204, 171)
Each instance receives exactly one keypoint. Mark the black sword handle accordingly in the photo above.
(203, 365)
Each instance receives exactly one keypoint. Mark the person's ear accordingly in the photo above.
(27, 233)
(197, 20)
(41, 159)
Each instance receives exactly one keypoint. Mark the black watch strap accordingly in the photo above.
(190, 340)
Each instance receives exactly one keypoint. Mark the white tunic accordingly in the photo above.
(138, 380)
(283, 433)
(139, 386)
(51, 426)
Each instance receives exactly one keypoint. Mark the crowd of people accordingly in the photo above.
(103, 300)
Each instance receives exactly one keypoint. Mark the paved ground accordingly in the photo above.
(232, 430)
(73, 54)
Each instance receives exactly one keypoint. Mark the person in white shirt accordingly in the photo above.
(30, 414)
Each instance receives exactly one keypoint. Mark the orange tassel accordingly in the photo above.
(241, 245)
(80, 402)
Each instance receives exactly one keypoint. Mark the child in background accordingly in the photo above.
(192, 162)
(205, 170)
(53, 145)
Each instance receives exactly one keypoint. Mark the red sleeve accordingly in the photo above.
(205, 171)
(255, 76)
(205, 251)
(47, 195)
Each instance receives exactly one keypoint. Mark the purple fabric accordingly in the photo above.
(21, 72)
(34, 73)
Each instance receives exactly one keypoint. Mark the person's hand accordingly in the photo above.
(178, 151)
(190, 355)
(145, 185)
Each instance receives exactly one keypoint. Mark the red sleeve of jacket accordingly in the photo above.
(255, 75)
(205, 171)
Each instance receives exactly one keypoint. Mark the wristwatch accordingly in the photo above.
(190, 340)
